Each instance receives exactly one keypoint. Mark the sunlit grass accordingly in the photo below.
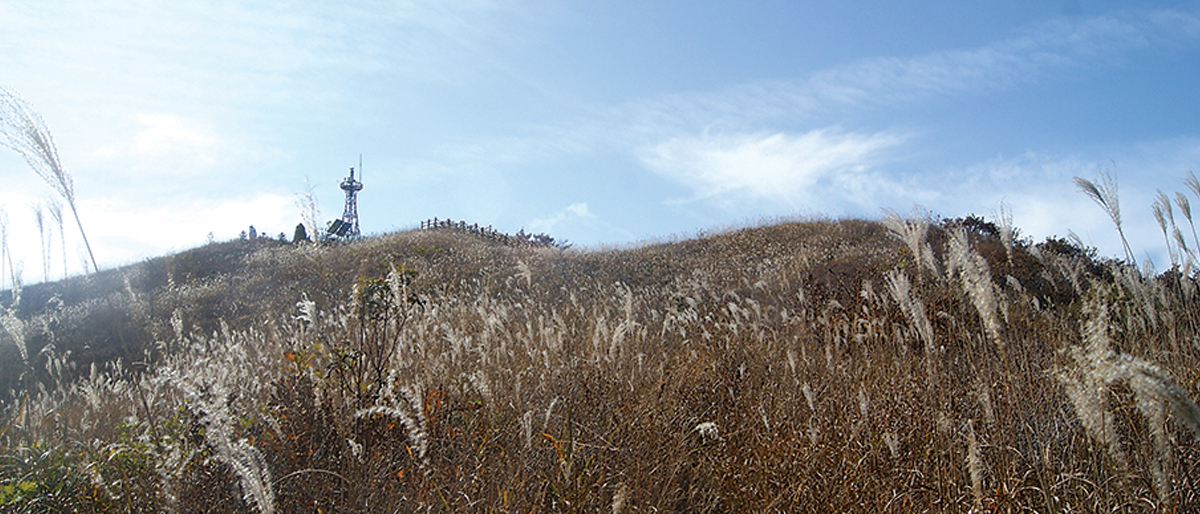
(819, 366)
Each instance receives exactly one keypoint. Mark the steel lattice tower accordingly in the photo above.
(350, 214)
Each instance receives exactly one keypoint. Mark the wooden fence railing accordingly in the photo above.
(520, 239)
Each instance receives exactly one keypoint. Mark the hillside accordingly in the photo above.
(818, 366)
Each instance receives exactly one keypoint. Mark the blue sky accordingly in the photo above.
(597, 122)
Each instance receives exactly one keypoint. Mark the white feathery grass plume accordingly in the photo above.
(6, 257)
(1086, 382)
(527, 429)
(310, 211)
(864, 405)
(813, 433)
(912, 307)
(408, 408)
(16, 331)
(1147, 293)
(912, 232)
(54, 207)
(972, 270)
(1185, 208)
(39, 219)
(525, 272)
(942, 422)
(1095, 368)
(709, 430)
(624, 329)
(177, 324)
(481, 384)
(218, 378)
(1161, 208)
(308, 310)
(985, 402)
(1105, 194)
(254, 476)
(809, 397)
(892, 441)
(22, 130)
(549, 411)
(620, 498)
(975, 467)
(1008, 232)
(1192, 183)
(3, 242)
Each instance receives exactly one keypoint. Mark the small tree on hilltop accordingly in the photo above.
(300, 234)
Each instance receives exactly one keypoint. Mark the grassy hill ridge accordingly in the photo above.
(803, 366)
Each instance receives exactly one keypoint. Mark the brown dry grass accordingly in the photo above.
(770, 369)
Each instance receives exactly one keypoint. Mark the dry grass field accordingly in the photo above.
(908, 365)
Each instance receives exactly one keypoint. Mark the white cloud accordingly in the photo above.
(579, 209)
(810, 168)
(122, 234)
(165, 133)
(573, 211)
(1045, 202)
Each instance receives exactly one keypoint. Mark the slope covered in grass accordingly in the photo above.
(797, 367)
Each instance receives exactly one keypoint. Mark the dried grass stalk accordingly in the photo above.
(22, 129)
(1094, 369)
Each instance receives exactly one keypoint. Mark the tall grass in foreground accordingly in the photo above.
(906, 366)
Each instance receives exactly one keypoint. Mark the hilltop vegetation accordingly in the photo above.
(817, 366)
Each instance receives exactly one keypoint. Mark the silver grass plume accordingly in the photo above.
(1105, 194)
(973, 272)
(1192, 183)
(8, 316)
(55, 208)
(214, 375)
(39, 218)
(407, 406)
(1161, 208)
(912, 232)
(1147, 294)
(1095, 369)
(1184, 254)
(247, 462)
(22, 129)
(912, 307)
(16, 330)
(6, 255)
(975, 466)
(1185, 207)
(1007, 231)
(620, 498)
(310, 211)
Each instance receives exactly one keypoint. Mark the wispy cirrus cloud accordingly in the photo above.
(1046, 50)
(774, 141)
(781, 167)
